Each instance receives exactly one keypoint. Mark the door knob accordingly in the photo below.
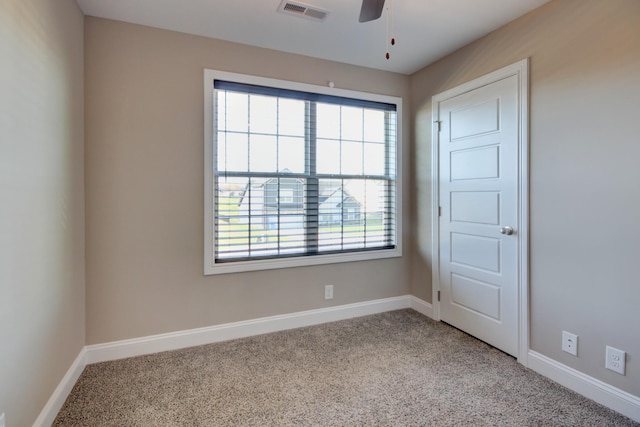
(506, 230)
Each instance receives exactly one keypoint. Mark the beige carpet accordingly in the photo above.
(392, 369)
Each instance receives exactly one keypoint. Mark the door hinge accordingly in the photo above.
(439, 210)
(439, 125)
(438, 295)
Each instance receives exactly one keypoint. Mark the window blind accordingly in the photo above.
(301, 174)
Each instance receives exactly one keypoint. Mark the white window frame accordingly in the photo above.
(210, 266)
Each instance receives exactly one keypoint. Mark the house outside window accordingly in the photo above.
(298, 174)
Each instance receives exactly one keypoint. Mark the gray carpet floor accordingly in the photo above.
(391, 369)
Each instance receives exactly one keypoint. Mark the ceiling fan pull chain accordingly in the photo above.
(387, 34)
(393, 39)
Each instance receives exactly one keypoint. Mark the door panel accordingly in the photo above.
(475, 120)
(475, 163)
(480, 207)
(481, 297)
(476, 251)
(478, 192)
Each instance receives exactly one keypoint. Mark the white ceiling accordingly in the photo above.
(425, 30)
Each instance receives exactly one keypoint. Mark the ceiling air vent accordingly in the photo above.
(303, 10)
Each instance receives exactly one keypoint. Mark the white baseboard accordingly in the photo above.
(421, 306)
(60, 394)
(207, 335)
(594, 389)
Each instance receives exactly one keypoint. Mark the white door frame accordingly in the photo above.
(521, 70)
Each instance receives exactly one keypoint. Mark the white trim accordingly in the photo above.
(60, 394)
(592, 388)
(421, 306)
(228, 331)
(435, 208)
(210, 266)
(519, 69)
(208, 169)
(523, 208)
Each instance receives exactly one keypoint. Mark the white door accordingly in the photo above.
(478, 222)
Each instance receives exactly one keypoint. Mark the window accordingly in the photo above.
(298, 174)
(286, 195)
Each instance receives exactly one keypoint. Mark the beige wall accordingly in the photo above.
(144, 180)
(584, 180)
(41, 201)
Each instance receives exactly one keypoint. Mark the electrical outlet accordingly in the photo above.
(570, 343)
(615, 360)
(328, 292)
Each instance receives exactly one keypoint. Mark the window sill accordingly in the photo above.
(303, 261)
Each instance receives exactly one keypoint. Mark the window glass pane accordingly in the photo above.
(379, 225)
(221, 151)
(352, 215)
(352, 123)
(352, 158)
(374, 206)
(374, 126)
(260, 211)
(391, 137)
(291, 208)
(328, 157)
(231, 218)
(234, 155)
(263, 116)
(329, 213)
(263, 153)
(237, 112)
(220, 110)
(291, 118)
(328, 121)
(291, 155)
(292, 237)
(374, 161)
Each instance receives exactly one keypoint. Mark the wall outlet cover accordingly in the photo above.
(616, 360)
(328, 292)
(570, 343)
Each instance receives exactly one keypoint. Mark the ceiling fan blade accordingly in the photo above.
(371, 10)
